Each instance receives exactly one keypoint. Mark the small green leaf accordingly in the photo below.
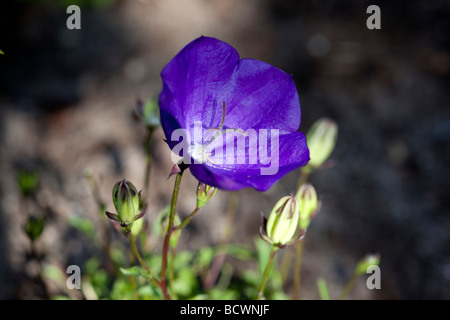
(205, 257)
(28, 181)
(185, 283)
(183, 259)
(133, 271)
(218, 294)
(34, 227)
(1, 52)
(117, 256)
(60, 297)
(263, 251)
(54, 273)
(240, 251)
(149, 292)
(123, 290)
(84, 225)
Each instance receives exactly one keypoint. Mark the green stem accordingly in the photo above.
(298, 270)
(148, 161)
(260, 293)
(304, 176)
(349, 286)
(187, 220)
(145, 266)
(173, 204)
(285, 264)
(137, 254)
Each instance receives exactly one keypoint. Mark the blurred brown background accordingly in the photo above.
(67, 98)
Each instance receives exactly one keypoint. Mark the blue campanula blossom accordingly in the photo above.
(234, 121)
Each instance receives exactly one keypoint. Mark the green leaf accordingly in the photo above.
(123, 290)
(183, 259)
(204, 257)
(34, 227)
(323, 289)
(28, 181)
(84, 225)
(263, 250)
(201, 296)
(60, 297)
(100, 282)
(133, 271)
(185, 283)
(117, 256)
(1, 52)
(217, 294)
(54, 273)
(156, 227)
(149, 292)
(240, 251)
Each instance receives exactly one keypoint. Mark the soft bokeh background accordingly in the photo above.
(67, 98)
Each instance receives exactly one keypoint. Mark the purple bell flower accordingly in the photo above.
(234, 121)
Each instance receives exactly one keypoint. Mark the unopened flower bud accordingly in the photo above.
(149, 112)
(127, 202)
(308, 204)
(321, 140)
(369, 260)
(204, 194)
(283, 221)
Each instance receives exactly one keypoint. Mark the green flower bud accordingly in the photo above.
(149, 112)
(204, 194)
(321, 140)
(283, 221)
(308, 204)
(127, 202)
(369, 260)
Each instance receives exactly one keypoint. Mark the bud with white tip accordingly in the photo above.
(282, 225)
(321, 140)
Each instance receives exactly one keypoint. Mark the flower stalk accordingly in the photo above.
(260, 293)
(169, 231)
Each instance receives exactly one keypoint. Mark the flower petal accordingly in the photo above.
(292, 154)
(191, 82)
(262, 96)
